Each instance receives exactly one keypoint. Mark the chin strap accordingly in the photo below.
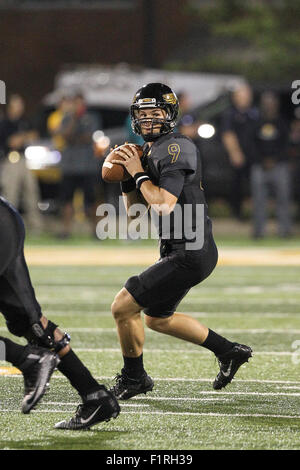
(40, 336)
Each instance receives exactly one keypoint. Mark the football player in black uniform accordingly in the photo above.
(36, 364)
(167, 179)
(24, 317)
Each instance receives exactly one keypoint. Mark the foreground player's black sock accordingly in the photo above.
(216, 343)
(14, 352)
(134, 366)
(78, 375)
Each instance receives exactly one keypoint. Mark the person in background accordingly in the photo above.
(294, 157)
(79, 165)
(18, 183)
(270, 169)
(237, 137)
(187, 122)
(55, 119)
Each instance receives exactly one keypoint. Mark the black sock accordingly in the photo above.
(216, 343)
(78, 375)
(13, 352)
(134, 366)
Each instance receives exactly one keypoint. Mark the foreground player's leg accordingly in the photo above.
(230, 355)
(133, 378)
(36, 364)
(24, 318)
(99, 404)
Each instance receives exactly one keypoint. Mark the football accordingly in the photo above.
(113, 172)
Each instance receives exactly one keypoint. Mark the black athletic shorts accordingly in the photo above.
(70, 183)
(160, 288)
(18, 303)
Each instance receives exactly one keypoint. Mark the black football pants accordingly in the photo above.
(18, 303)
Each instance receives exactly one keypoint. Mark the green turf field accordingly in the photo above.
(259, 306)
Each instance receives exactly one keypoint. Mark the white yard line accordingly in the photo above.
(220, 330)
(181, 351)
(223, 415)
(100, 314)
(179, 379)
(58, 403)
(201, 392)
(196, 300)
(178, 413)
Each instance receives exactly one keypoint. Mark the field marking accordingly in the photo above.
(177, 413)
(76, 403)
(141, 256)
(100, 314)
(223, 415)
(187, 300)
(185, 379)
(179, 351)
(201, 392)
(204, 392)
(9, 370)
(238, 289)
(295, 387)
(141, 398)
(220, 330)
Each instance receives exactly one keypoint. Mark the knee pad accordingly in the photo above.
(44, 337)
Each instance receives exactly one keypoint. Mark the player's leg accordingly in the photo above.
(30, 198)
(282, 188)
(68, 186)
(88, 185)
(180, 326)
(11, 181)
(24, 318)
(133, 378)
(36, 364)
(259, 194)
(189, 268)
(126, 313)
(230, 355)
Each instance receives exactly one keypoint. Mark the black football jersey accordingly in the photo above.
(173, 162)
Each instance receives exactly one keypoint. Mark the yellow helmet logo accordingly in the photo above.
(170, 98)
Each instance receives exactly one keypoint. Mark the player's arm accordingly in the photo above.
(150, 195)
(162, 201)
(231, 144)
(132, 196)
(157, 197)
(68, 128)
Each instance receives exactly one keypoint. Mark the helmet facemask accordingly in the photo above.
(153, 131)
(154, 96)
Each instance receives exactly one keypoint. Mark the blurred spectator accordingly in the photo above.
(270, 170)
(18, 183)
(79, 165)
(187, 123)
(54, 121)
(294, 154)
(237, 136)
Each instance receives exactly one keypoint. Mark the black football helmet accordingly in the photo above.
(155, 95)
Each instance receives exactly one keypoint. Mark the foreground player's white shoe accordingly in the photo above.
(37, 369)
(96, 407)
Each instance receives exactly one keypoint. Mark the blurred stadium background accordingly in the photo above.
(100, 52)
